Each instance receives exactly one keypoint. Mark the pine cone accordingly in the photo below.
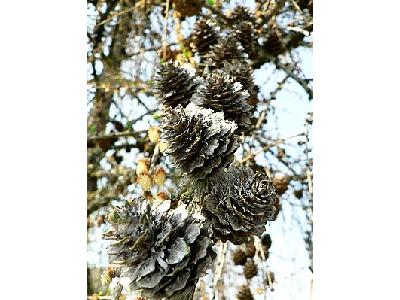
(188, 8)
(237, 203)
(162, 251)
(204, 36)
(242, 72)
(250, 249)
(298, 193)
(244, 293)
(281, 183)
(250, 269)
(274, 45)
(221, 93)
(226, 49)
(199, 140)
(239, 257)
(244, 33)
(305, 4)
(175, 85)
(266, 241)
(239, 14)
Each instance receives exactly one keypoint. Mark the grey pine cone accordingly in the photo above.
(221, 93)
(204, 36)
(244, 293)
(237, 203)
(162, 251)
(200, 141)
(175, 85)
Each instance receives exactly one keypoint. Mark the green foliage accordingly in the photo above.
(157, 116)
(93, 129)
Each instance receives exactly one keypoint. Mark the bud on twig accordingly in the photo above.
(159, 176)
(144, 181)
(162, 145)
(154, 134)
(143, 166)
(162, 196)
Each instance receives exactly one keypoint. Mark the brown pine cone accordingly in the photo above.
(298, 193)
(188, 8)
(239, 257)
(250, 269)
(204, 35)
(274, 44)
(250, 249)
(281, 183)
(244, 293)
(244, 33)
(266, 241)
(240, 14)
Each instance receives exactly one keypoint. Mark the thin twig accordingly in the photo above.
(165, 30)
(267, 147)
(219, 266)
(299, 80)
(114, 135)
(115, 15)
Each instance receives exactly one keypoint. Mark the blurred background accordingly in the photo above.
(126, 41)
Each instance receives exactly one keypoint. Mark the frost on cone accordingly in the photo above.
(175, 85)
(204, 36)
(200, 141)
(237, 203)
(221, 93)
(162, 251)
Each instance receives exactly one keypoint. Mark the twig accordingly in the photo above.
(299, 80)
(114, 135)
(165, 30)
(220, 265)
(270, 281)
(267, 147)
(115, 15)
